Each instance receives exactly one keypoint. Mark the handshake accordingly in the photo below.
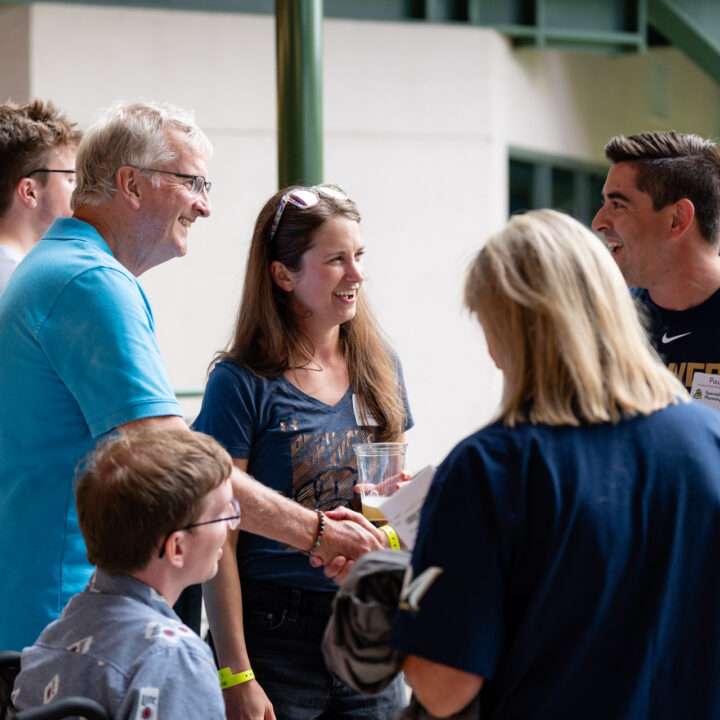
(346, 536)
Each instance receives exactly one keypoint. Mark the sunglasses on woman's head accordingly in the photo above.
(304, 198)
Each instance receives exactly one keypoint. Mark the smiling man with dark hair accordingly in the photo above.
(661, 220)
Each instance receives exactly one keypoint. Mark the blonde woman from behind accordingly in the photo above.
(578, 533)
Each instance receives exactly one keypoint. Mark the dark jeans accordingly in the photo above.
(283, 630)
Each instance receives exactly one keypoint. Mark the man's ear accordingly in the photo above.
(127, 183)
(26, 191)
(176, 549)
(282, 276)
(682, 216)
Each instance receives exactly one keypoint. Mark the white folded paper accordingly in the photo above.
(402, 508)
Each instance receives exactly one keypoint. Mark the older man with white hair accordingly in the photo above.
(78, 353)
(79, 358)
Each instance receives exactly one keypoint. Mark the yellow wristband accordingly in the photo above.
(392, 537)
(228, 680)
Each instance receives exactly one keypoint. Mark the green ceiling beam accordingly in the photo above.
(693, 27)
(594, 25)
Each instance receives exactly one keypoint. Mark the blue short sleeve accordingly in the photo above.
(409, 420)
(99, 338)
(229, 410)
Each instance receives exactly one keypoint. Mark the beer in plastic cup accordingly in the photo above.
(379, 466)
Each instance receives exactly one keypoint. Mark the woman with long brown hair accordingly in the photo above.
(308, 375)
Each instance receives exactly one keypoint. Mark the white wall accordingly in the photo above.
(418, 119)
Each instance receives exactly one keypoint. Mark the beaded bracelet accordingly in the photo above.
(228, 680)
(320, 532)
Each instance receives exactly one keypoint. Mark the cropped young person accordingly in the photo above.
(154, 507)
(308, 375)
(37, 157)
(577, 535)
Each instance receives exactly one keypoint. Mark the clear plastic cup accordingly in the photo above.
(379, 466)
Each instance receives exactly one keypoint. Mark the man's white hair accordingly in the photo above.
(129, 134)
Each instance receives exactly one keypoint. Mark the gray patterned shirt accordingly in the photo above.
(120, 643)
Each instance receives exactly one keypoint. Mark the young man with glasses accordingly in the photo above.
(37, 154)
(154, 508)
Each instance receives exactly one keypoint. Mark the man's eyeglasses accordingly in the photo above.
(232, 519)
(32, 172)
(199, 183)
(304, 198)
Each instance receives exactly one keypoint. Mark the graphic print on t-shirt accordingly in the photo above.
(324, 469)
(685, 371)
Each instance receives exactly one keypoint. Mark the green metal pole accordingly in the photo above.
(299, 74)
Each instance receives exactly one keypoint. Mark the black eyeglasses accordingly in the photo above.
(233, 521)
(32, 172)
(199, 183)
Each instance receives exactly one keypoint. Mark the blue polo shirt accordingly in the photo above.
(78, 357)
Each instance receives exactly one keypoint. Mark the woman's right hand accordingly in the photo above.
(247, 701)
(392, 484)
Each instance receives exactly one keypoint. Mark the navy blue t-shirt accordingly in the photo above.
(295, 444)
(580, 568)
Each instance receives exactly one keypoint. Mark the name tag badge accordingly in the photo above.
(706, 389)
(362, 414)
